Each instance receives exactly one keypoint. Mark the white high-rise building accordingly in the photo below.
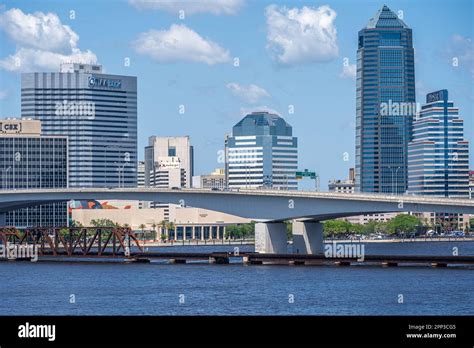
(169, 162)
(262, 152)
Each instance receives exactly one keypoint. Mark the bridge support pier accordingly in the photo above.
(3, 219)
(271, 238)
(308, 237)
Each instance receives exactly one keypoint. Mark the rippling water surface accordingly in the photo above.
(45, 288)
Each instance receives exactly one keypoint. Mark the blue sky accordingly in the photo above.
(200, 74)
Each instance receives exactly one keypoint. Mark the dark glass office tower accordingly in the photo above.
(385, 104)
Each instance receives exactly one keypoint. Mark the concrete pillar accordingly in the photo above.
(218, 232)
(308, 237)
(184, 232)
(202, 232)
(270, 238)
(3, 219)
(194, 232)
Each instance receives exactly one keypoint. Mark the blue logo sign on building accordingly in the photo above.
(437, 96)
(95, 81)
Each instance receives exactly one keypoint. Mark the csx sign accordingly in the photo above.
(95, 81)
(10, 127)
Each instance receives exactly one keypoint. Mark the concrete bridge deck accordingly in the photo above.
(267, 207)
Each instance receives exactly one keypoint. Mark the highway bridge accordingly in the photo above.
(268, 207)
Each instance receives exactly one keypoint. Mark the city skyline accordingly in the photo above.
(273, 81)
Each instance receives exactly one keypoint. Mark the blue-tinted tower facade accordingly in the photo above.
(262, 153)
(98, 114)
(385, 103)
(438, 155)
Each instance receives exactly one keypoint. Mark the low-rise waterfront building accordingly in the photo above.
(188, 223)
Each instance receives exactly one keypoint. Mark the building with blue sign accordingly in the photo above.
(262, 152)
(98, 114)
(385, 103)
(438, 155)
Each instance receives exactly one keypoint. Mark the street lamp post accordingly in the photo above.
(396, 180)
(394, 185)
(107, 158)
(121, 178)
(5, 177)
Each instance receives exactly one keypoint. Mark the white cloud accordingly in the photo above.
(306, 35)
(38, 30)
(349, 71)
(179, 43)
(462, 49)
(250, 94)
(30, 59)
(43, 42)
(216, 7)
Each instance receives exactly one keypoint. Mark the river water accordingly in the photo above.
(56, 288)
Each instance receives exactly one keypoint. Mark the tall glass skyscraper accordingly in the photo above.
(438, 155)
(262, 152)
(98, 114)
(385, 104)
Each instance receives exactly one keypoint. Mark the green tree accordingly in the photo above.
(336, 227)
(240, 231)
(369, 227)
(163, 227)
(75, 223)
(357, 228)
(289, 230)
(142, 228)
(154, 225)
(403, 223)
(170, 227)
(103, 223)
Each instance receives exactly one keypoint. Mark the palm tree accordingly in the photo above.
(163, 226)
(153, 225)
(170, 227)
(142, 227)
